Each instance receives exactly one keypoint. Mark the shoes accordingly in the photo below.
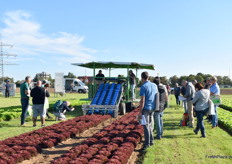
(157, 138)
(203, 136)
(34, 125)
(144, 148)
(151, 144)
(42, 125)
(195, 131)
(190, 126)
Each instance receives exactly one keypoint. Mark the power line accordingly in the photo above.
(2, 58)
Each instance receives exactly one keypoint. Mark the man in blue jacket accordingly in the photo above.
(148, 104)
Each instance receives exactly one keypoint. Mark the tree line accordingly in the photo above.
(200, 77)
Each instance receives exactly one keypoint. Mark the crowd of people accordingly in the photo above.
(189, 90)
(154, 99)
(40, 94)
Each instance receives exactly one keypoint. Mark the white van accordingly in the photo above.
(75, 85)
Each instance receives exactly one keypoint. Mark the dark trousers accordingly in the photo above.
(47, 114)
(7, 93)
(200, 122)
(177, 100)
(25, 103)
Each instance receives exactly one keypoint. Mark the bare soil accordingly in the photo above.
(50, 154)
(134, 156)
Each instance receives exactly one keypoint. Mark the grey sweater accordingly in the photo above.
(201, 100)
(190, 91)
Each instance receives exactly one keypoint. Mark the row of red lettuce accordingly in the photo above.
(27, 145)
(114, 144)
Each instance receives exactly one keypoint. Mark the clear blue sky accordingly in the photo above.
(179, 37)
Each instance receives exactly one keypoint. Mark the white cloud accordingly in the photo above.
(25, 34)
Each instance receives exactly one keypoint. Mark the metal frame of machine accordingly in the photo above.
(110, 65)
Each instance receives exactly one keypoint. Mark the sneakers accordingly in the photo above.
(195, 131)
(43, 125)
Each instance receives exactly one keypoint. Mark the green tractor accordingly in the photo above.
(109, 95)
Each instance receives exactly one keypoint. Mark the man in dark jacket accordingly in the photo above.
(7, 89)
(177, 93)
(38, 95)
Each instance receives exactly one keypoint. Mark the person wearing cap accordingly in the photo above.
(63, 108)
(7, 89)
(25, 94)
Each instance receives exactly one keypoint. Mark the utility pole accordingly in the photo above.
(2, 57)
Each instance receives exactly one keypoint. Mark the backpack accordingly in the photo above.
(162, 96)
(57, 106)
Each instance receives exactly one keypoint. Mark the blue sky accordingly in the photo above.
(179, 37)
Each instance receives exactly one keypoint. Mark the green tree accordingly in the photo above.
(199, 78)
(226, 80)
(164, 80)
(70, 75)
(174, 79)
(220, 80)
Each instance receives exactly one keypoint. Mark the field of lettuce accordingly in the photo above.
(225, 120)
(10, 108)
(111, 144)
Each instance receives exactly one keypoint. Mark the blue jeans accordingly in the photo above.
(25, 103)
(200, 122)
(148, 129)
(159, 124)
(215, 117)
